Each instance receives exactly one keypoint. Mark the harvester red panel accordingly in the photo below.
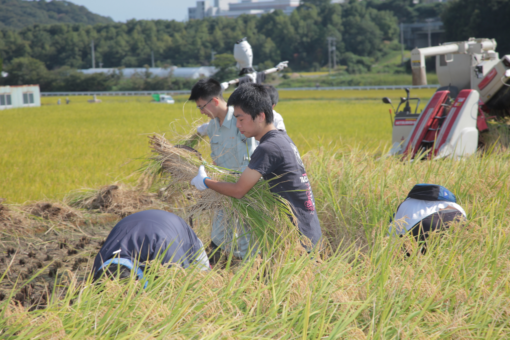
(428, 123)
(455, 110)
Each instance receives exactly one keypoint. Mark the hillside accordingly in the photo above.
(17, 14)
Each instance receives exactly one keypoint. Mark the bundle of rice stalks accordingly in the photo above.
(113, 199)
(268, 216)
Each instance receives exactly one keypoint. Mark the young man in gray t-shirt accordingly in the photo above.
(275, 158)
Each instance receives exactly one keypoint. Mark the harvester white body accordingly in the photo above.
(471, 76)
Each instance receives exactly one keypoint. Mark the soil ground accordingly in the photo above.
(44, 245)
(37, 262)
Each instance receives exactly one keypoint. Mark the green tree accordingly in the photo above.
(225, 63)
(300, 38)
(480, 19)
(402, 9)
(361, 35)
(317, 3)
(26, 70)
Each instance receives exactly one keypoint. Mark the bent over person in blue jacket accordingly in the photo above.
(145, 236)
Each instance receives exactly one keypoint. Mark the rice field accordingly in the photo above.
(367, 289)
(48, 151)
(362, 286)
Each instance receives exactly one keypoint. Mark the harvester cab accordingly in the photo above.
(404, 121)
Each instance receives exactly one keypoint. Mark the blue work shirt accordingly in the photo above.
(229, 147)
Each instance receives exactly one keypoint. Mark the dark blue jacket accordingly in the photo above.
(143, 235)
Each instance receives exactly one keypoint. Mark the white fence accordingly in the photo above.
(148, 93)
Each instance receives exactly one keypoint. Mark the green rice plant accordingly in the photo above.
(424, 94)
(284, 95)
(191, 304)
(359, 191)
(365, 288)
(52, 150)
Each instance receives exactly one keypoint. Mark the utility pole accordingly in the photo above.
(329, 55)
(93, 56)
(334, 53)
(331, 49)
(152, 58)
(428, 31)
(402, 40)
(212, 55)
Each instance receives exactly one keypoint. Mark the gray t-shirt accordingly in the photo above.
(278, 156)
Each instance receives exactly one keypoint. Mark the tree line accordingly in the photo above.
(365, 31)
(300, 38)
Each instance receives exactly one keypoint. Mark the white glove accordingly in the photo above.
(199, 180)
(224, 86)
(282, 65)
(202, 129)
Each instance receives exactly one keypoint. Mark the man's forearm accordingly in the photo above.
(225, 188)
(247, 180)
(270, 70)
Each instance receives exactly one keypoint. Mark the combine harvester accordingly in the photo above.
(473, 80)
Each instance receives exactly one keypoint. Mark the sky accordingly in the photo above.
(123, 10)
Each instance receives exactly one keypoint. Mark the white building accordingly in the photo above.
(235, 8)
(19, 96)
(230, 8)
(198, 12)
(174, 71)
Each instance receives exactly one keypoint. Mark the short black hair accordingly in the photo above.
(252, 99)
(206, 89)
(273, 93)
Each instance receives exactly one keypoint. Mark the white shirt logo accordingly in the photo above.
(296, 153)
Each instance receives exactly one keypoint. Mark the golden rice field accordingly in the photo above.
(363, 286)
(51, 150)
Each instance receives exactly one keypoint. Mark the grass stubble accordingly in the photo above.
(363, 287)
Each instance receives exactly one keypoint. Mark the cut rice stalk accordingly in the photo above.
(268, 216)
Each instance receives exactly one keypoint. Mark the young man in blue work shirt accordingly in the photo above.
(229, 149)
(276, 159)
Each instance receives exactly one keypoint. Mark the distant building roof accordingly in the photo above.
(235, 9)
(178, 72)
